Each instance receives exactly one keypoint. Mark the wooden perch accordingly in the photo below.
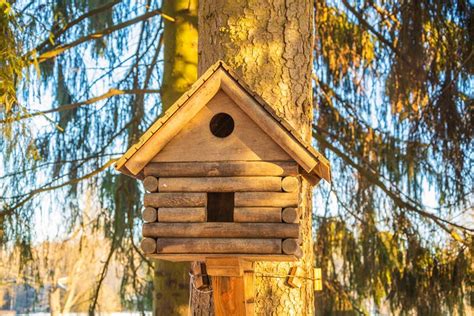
(219, 184)
(221, 230)
(175, 199)
(221, 169)
(218, 245)
(271, 199)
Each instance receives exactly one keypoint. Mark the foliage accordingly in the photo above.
(393, 97)
(393, 91)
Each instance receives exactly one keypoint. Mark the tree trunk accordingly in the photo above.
(180, 49)
(55, 301)
(171, 280)
(270, 44)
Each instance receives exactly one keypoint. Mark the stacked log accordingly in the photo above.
(265, 208)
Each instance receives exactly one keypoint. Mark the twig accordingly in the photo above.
(372, 176)
(61, 48)
(112, 92)
(75, 22)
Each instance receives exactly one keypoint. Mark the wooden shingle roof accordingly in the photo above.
(220, 76)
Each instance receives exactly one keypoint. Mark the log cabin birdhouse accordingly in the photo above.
(223, 175)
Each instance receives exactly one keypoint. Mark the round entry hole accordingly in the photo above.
(222, 125)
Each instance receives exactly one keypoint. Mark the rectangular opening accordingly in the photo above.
(220, 207)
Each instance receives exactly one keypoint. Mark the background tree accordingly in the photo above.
(269, 44)
(171, 280)
(392, 99)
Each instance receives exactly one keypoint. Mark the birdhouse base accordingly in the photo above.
(179, 257)
(232, 284)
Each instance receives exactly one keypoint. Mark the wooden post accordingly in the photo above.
(233, 286)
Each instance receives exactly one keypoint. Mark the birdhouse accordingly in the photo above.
(223, 175)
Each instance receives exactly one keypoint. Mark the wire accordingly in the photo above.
(284, 276)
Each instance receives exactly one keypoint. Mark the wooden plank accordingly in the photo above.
(220, 184)
(200, 278)
(148, 245)
(221, 230)
(290, 184)
(257, 215)
(222, 169)
(312, 178)
(150, 183)
(270, 199)
(229, 296)
(173, 125)
(218, 245)
(149, 215)
(246, 142)
(177, 199)
(290, 215)
(181, 214)
(268, 124)
(249, 291)
(182, 257)
(294, 278)
(226, 266)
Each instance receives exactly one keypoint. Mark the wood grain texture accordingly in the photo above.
(218, 245)
(269, 199)
(268, 124)
(149, 215)
(290, 246)
(175, 199)
(220, 184)
(180, 257)
(229, 296)
(257, 214)
(221, 230)
(227, 266)
(172, 126)
(196, 142)
(150, 184)
(290, 215)
(222, 169)
(290, 184)
(148, 245)
(181, 214)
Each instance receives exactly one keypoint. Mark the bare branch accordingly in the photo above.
(381, 38)
(74, 22)
(33, 193)
(61, 48)
(374, 178)
(67, 107)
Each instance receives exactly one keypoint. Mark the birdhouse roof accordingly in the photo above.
(221, 77)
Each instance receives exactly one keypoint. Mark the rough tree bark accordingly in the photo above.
(269, 43)
(171, 280)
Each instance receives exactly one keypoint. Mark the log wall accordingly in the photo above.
(265, 214)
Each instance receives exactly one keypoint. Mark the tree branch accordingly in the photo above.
(67, 107)
(74, 22)
(8, 210)
(381, 38)
(373, 177)
(61, 48)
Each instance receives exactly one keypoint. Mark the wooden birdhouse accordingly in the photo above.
(223, 174)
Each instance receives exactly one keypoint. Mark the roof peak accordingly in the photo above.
(220, 76)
